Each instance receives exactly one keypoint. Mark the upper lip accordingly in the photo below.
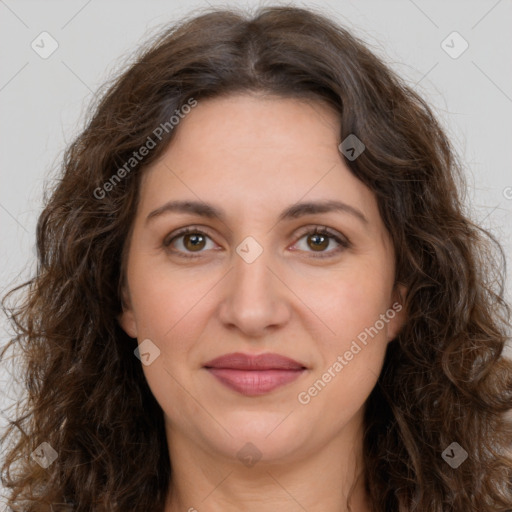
(240, 361)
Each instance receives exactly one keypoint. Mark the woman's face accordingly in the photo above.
(252, 278)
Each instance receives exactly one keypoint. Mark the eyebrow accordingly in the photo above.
(292, 212)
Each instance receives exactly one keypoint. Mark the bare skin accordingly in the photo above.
(253, 156)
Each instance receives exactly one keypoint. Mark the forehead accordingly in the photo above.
(282, 128)
(256, 152)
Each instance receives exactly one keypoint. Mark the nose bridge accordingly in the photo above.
(251, 276)
(254, 299)
(251, 271)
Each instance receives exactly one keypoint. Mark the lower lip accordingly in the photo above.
(254, 382)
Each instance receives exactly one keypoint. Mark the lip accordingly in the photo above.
(252, 375)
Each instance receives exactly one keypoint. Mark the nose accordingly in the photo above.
(255, 299)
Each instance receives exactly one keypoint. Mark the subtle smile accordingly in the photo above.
(254, 375)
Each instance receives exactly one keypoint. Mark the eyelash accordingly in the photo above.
(317, 230)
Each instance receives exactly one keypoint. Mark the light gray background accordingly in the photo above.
(42, 101)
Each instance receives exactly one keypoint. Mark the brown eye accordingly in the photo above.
(194, 241)
(189, 242)
(318, 241)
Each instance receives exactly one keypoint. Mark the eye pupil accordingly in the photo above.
(318, 237)
(195, 239)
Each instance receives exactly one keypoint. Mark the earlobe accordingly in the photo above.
(127, 318)
(127, 321)
(397, 313)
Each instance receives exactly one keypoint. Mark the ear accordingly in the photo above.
(127, 318)
(396, 313)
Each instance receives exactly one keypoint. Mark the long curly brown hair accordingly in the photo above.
(444, 379)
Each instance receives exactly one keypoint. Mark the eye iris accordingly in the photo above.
(197, 241)
(318, 237)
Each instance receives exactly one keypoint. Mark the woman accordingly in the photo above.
(257, 289)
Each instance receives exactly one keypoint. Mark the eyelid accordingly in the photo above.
(343, 242)
(338, 237)
(185, 231)
(324, 230)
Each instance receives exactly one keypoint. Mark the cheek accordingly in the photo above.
(163, 297)
(348, 302)
(172, 307)
(169, 306)
(352, 357)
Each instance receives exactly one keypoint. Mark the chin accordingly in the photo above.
(268, 436)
